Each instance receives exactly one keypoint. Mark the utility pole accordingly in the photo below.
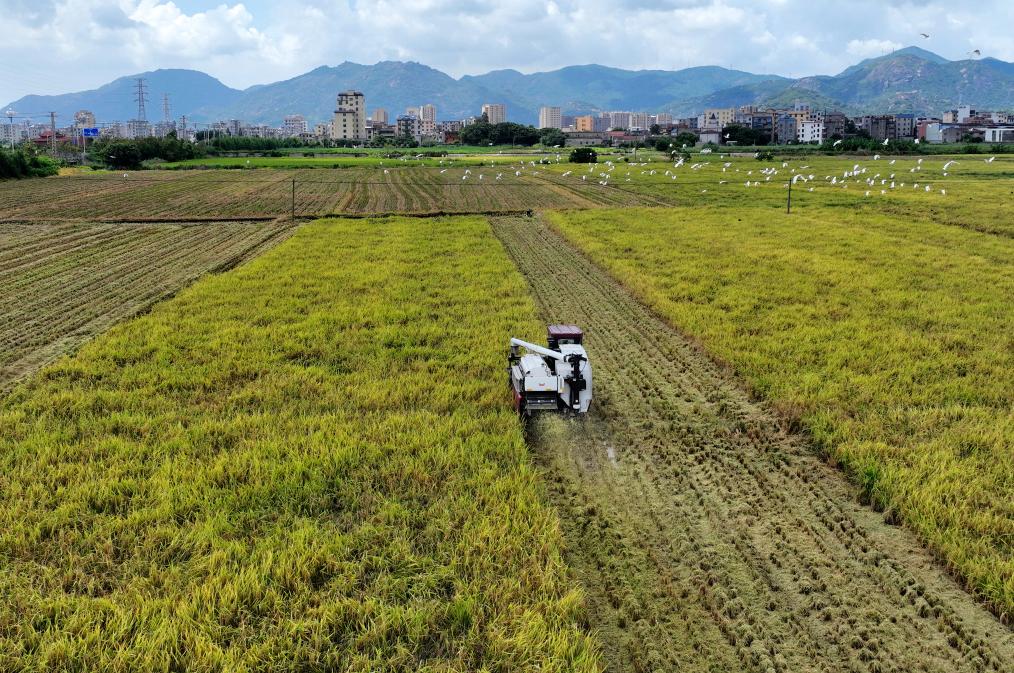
(52, 132)
(788, 204)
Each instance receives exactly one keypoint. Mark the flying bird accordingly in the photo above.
(925, 36)
(836, 143)
(975, 52)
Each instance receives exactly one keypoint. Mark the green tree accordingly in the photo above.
(685, 138)
(552, 137)
(583, 155)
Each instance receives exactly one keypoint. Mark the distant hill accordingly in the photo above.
(187, 89)
(908, 80)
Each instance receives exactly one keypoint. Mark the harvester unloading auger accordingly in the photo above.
(557, 378)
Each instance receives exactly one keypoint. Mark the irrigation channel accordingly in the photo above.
(706, 535)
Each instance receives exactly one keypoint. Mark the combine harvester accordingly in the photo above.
(557, 378)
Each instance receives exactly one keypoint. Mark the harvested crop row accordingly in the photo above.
(309, 462)
(707, 538)
(891, 340)
(182, 195)
(88, 276)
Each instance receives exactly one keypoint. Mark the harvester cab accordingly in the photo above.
(556, 377)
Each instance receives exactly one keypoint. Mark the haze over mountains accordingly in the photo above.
(908, 80)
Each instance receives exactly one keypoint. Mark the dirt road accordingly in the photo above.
(706, 536)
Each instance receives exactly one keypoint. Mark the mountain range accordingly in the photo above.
(908, 80)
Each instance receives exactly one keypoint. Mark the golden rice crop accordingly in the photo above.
(308, 463)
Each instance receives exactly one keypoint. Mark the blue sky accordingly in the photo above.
(56, 46)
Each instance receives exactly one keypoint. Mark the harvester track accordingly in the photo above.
(707, 536)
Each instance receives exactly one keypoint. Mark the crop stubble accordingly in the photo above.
(61, 284)
(709, 538)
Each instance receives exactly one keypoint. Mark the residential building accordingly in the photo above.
(409, 126)
(10, 134)
(550, 118)
(585, 139)
(904, 126)
(350, 117)
(294, 126)
(324, 130)
(84, 119)
(411, 111)
(718, 118)
(999, 134)
(640, 121)
(663, 118)
(428, 119)
(619, 120)
(379, 115)
(785, 129)
(880, 127)
(810, 131)
(834, 124)
(496, 113)
(584, 124)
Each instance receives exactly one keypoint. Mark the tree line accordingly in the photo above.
(25, 163)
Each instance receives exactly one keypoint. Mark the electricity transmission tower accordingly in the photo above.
(140, 125)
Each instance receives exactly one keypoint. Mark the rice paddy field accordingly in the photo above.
(303, 464)
(890, 339)
(231, 440)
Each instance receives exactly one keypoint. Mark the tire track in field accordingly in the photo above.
(706, 536)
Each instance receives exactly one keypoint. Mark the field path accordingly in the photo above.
(709, 538)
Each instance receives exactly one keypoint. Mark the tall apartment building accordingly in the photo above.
(350, 116)
(379, 115)
(663, 118)
(584, 124)
(294, 125)
(409, 126)
(619, 120)
(84, 119)
(496, 113)
(639, 120)
(428, 119)
(550, 118)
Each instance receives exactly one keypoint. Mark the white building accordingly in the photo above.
(496, 113)
(428, 119)
(294, 126)
(619, 120)
(639, 121)
(350, 117)
(11, 134)
(810, 131)
(324, 130)
(550, 118)
(999, 134)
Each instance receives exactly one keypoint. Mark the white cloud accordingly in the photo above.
(871, 48)
(54, 46)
